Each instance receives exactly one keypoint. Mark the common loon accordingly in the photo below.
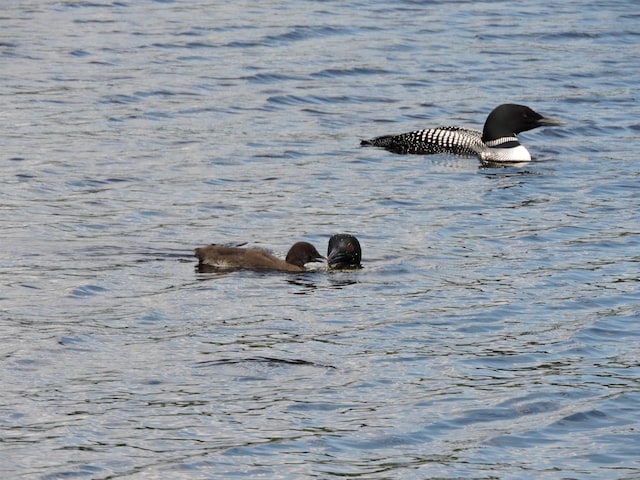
(213, 258)
(496, 143)
(343, 251)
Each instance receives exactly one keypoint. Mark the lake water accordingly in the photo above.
(494, 331)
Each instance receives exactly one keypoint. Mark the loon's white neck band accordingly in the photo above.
(500, 141)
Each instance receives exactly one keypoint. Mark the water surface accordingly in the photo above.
(493, 331)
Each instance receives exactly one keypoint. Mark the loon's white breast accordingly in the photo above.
(512, 154)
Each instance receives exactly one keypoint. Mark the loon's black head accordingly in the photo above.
(508, 119)
(344, 251)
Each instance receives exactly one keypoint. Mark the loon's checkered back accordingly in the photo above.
(454, 140)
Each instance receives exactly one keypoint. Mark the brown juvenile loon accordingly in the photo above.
(220, 257)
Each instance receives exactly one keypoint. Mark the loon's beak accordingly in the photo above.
(549, 122)
(337, 256)
(341, 258)
(319, 258)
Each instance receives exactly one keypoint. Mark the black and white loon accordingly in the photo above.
(496, 143)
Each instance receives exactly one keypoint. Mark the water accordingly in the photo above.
(494, 329)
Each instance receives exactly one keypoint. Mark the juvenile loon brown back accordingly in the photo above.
(221, 257)
(498, 142)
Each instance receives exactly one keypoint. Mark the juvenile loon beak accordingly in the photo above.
(550, 122)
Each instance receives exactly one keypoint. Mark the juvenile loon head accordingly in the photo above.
(509, 119)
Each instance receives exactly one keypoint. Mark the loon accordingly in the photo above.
(214, 258)
(496, 143)
(343, 251)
